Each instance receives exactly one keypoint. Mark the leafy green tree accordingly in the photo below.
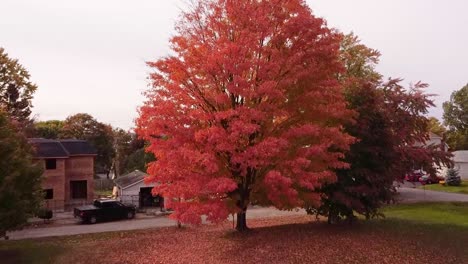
(358, 59)
(456, 118)
(436, 127)
(20, 178)
(138, 160)
(122, 147)
(16, 90)
(50, 129)
(100, 135)
(130, 152)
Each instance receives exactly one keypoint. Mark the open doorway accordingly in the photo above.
(148, 200)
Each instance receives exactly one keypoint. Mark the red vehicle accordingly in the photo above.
(414, 176)
(427, 179)
(418, 176)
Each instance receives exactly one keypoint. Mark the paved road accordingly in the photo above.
(412, 195)
(144, 223)
(407, 195)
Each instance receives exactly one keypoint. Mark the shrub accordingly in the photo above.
(45, 214)
(452, 178)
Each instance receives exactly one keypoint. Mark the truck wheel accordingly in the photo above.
(92, 220)
(130, 215)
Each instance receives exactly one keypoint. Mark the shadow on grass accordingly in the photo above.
(19, 252)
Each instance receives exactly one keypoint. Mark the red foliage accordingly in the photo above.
(247, 109)
(391, 129)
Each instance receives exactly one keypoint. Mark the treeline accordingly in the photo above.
(118, 151)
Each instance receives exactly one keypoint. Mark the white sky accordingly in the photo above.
(89, 56)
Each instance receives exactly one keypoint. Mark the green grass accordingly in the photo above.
(463, 188)
(430, 213)
(103, 192)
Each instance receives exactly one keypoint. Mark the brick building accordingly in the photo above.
(68, 171)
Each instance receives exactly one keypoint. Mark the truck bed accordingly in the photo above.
(86, 208)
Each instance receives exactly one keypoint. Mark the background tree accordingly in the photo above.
(138, 160)
(251, 109)
(129, 153)
(20, 191)
(452, 178)
(16, 90)
(84, 126)
(135, 157)
(122, 140)
(389, 129)
(50, 129)
(436, 127)
(456, 118)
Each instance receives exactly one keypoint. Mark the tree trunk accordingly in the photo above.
(241, 224)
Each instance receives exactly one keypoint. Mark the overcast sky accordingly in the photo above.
(89, 55)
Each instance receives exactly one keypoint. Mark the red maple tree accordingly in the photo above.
(247, 110)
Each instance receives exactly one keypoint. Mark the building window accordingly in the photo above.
(49, 194)
(78, 189)
(51, 164)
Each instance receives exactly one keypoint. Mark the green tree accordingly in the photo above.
(100, 135)
(50, 129)
(456, 118)
(436, 127)
(20, 178)
(358, 59)
(16, 90)
(130, 152)
(122, 147)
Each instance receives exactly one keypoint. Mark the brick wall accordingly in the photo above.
(79, 168)
(55, 179)
(75, 168)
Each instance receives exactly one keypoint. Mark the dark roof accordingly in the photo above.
(78, 147)
(130, 178)
(49, 148)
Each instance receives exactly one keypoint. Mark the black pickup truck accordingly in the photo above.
(104, 210)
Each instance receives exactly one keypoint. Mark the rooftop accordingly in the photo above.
(63, 148)
(130, 178)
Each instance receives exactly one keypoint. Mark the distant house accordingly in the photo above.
(460, 159)
(68, 171)
(434, 140)
(132, 189)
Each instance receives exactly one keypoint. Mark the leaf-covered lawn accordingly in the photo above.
(292, 239)
(463, 188)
